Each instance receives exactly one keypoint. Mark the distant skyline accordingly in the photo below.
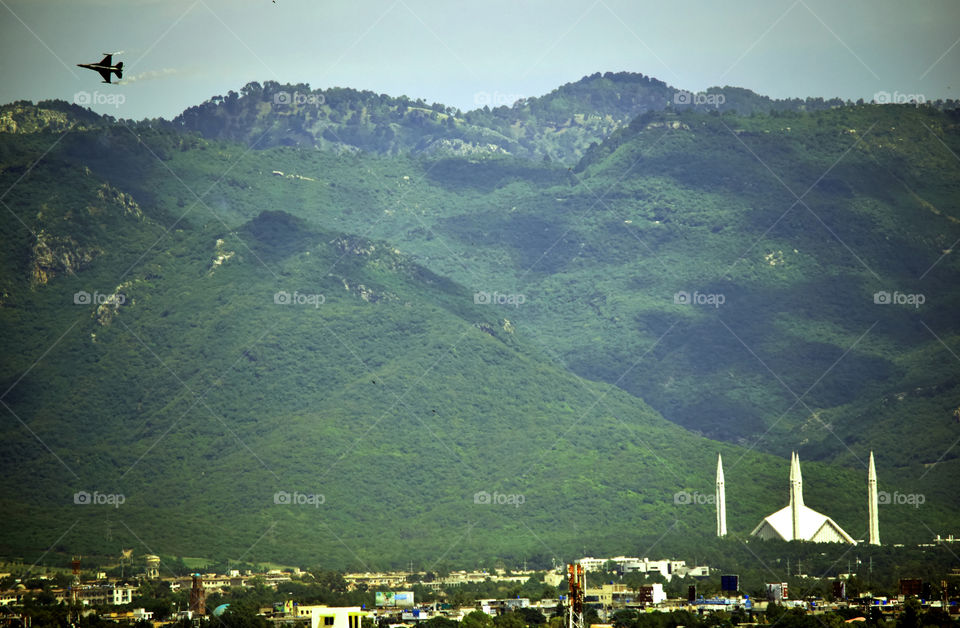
(466, 54)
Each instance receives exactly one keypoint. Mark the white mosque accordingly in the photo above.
(797, 521)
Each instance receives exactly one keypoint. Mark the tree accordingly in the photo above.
(440, 622)
(910, 617)
(936, 617)
(590, 616)
(477, 619)
(462, 598)
(624, 618)
(774, 611)
(531, 616)
(242, 614)
(560, 610)
(332, 581)
(509, 620)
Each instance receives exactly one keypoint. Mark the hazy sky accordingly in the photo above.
(178, 53)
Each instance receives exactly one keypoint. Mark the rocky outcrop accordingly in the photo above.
(51, 256)
(110, 196)
(459, 148)
(112, 304)
(221, 255)
(24, 117)
(355, 246)
(368, 294)
(54, 254)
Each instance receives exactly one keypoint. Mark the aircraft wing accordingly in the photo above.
(105, 74)
(107, 60)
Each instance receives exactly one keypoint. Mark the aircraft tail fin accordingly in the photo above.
(120, 70)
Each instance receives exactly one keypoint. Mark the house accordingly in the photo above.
(332, 616)
(102, 594)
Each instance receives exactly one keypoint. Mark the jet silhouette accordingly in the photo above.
(105, 67)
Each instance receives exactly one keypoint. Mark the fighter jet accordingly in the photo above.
(105, 67)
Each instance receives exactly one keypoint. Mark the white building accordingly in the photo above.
(873, 518)
(665, 567)
(651, 594)
(593, 564)
(102, 594)
(332, 616)
(797, 522)
(123, 594)
(721, 499)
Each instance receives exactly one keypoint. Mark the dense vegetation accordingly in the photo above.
(389, 396)
(560, 125)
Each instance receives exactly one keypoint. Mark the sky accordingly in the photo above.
(179, 53)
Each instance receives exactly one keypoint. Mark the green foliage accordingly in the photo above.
(477, 619)
(560, 125)
(440, 622)
(512, 619)
(398, 398)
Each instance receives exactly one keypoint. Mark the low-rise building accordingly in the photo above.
(103, 594)
(608, 594)
(332, 616)
(651, 594)
(377, 580)
(137, 614)
(625, 564)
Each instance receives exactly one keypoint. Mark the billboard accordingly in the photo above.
(394, 599)
(777, 591)
(730, 583)
(839, 590)
(911, 587)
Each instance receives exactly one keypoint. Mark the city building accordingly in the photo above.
(651, 594)
(332, 616)
(102, 594)
(625, 564)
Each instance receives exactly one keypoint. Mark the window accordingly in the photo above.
(328, 621)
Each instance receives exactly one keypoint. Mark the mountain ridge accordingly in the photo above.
(309, 321)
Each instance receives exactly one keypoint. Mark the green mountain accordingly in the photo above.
(698, 203)
(383, 340)
(51, 115)
(183, 385)
(558, 126)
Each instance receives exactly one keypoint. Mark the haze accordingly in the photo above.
(466, 54)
